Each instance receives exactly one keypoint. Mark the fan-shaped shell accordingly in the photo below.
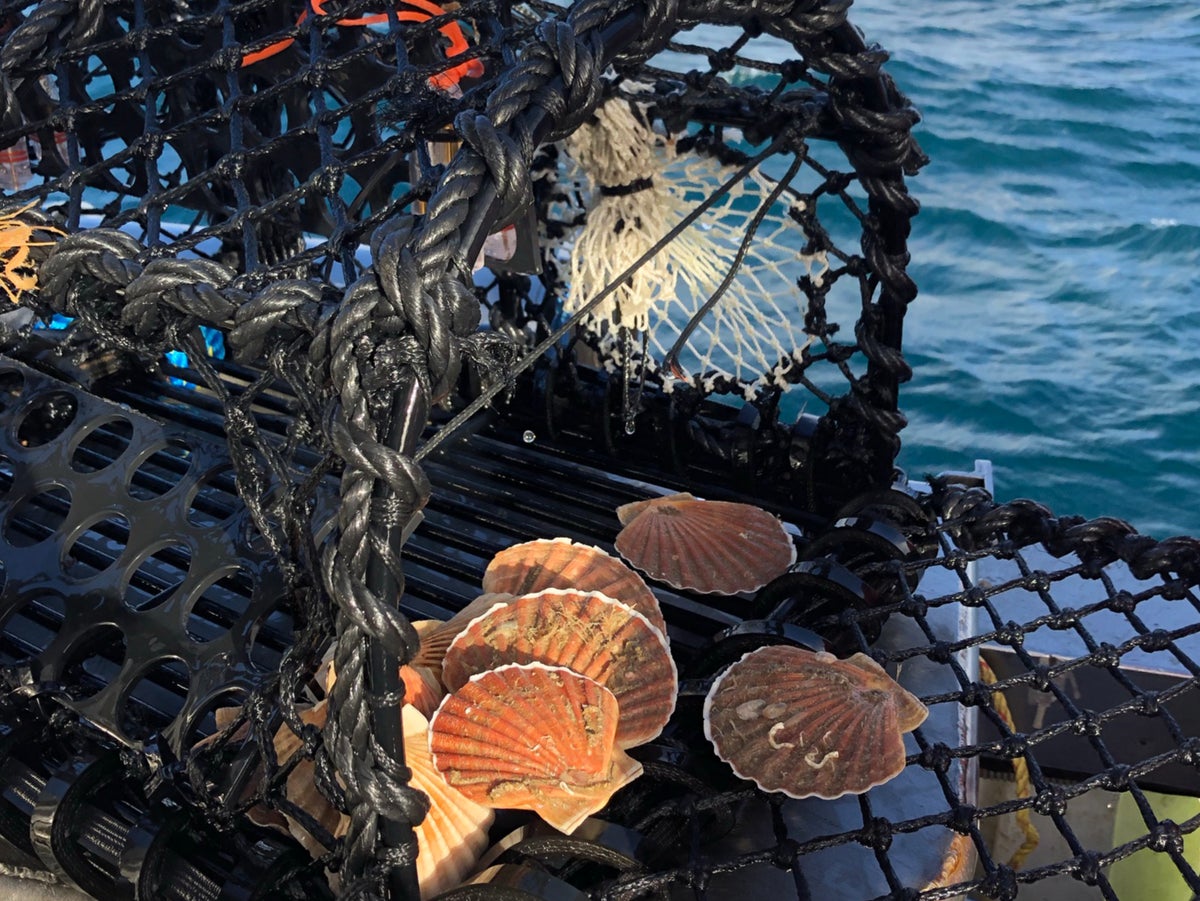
(451, 838)
(454, 834)
(436, 635)
(805, 723)
(532, 737)
(302, 786)
(561, 563)
(713, 547)
(422, 689)
(586, 632)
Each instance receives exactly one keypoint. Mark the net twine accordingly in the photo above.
(1020, 773)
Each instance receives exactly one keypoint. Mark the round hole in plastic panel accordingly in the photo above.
(97, 546)
(30, 628)
(8, 475)
(205, 722)
(158, 576)
(102, 445)
(215, 498)
(219, 602)
(273, 633)
(94, 661)
(12, 383)
(161, 471)
(154, 699)
(37, 518)
(46, 417)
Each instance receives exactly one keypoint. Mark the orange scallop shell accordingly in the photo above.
(586, 632)
(454, 834)
(713, 547)
(532, 737)
(302, 786)
(561, 563)
(422, 688)
(436, 635)
(805, 723)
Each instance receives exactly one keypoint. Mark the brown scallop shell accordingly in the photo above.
(561, 563)
(302, 786)
(436, 635)
(586, 632)
(422, 689)
(532, 737)
(454, 834)
(713, 547)
(806, 723)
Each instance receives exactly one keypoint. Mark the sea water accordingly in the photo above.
(1057, 252)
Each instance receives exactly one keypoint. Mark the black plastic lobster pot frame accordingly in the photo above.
(311, 185)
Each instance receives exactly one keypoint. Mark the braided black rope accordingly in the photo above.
(71, 23)
(975, 519)
(421, 288)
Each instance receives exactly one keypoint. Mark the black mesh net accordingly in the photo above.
(321, 305)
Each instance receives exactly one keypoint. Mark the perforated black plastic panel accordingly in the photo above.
(132, 580)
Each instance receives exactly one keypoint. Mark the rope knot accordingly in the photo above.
(504, 159)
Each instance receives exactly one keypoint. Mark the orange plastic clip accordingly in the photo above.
(421, 11)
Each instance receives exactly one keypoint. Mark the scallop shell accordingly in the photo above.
(454, 834)
(713, 547)
(532, 737)
(422, 689)
(436, 635)
(302, 784)
(805, 723)
(586, 632)
(561, 563)
(451, 838)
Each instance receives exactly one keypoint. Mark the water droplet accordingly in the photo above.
(529, 437)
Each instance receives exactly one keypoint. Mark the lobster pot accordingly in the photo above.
(319, 307)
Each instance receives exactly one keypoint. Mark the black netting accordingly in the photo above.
(324, 304)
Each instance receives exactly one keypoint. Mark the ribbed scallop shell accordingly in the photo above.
(422, 689)
(586, 632)
(713, 547)
(436, 635)
(302, 785)
(454, 834)
(806, 723)
(561, 563)
(532, 737)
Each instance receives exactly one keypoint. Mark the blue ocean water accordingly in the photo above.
(1057, 331)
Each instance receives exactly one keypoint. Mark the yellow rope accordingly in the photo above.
(1020, 770)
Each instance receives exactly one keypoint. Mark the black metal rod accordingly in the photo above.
(409, 415)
